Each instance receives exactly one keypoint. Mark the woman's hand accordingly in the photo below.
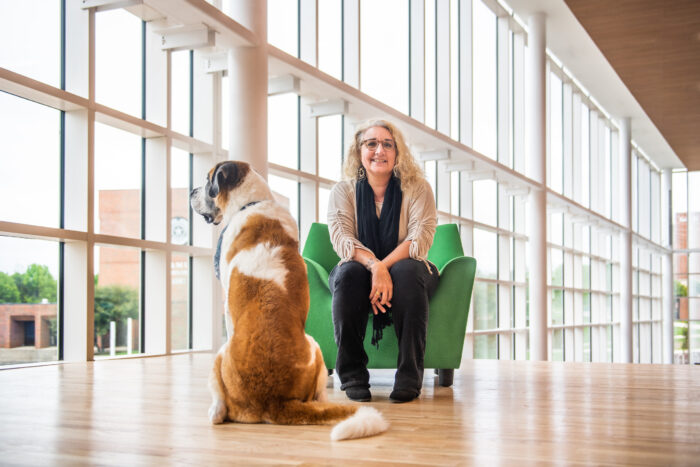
(382, 287)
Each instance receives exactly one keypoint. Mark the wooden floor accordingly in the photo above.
(153, 411)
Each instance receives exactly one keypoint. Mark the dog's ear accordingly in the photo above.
(226, 176)
(220, 177)
(214, 183)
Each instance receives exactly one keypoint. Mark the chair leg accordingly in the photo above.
(446, 377)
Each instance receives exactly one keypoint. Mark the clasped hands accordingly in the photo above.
(382, 287)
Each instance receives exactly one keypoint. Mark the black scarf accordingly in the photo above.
(381, 235)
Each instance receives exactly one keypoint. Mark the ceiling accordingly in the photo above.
(639, 59)
(654, 47)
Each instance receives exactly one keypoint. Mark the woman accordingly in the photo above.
(382, 219)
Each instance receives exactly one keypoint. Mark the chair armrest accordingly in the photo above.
(319, 321)
(449, 309)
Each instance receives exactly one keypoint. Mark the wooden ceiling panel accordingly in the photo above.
(654, 47)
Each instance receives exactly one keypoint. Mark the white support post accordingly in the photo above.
(156, 74)
(667, 266)
(112, 338)
(157, 323)
(626, 341)
(203, 85)
(537, 201)
(206, 313)
(247, 72)
(129, 335)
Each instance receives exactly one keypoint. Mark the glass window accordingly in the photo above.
(117, 182)
(28, 300)
(384, 51)
(330, 39)
(30, 135)
(283, 25)
(585, 157)
(118, 56)
(34, 52)
(180, 91)
(283, 130)
(694, 209)
(330, 146)
(180, 305)
(485, 306)
(430, 63)
(180, 197)
(117, 304)
(323, 195)
(556, 133)
(486, 346)
(225, 108)
(485, 81)
(558, 345)
(486, 254)
(485, 201)
(454, 193)
(454, 69)
(286, 192)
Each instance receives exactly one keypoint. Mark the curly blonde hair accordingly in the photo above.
(406, 168)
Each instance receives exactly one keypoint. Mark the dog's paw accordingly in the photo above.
(217, 412)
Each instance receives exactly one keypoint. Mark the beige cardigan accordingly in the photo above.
(417, 220)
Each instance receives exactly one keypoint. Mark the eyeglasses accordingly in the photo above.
(373, 143)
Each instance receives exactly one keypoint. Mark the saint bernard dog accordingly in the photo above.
(270, 370)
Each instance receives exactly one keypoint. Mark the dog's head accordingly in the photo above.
(230, 185)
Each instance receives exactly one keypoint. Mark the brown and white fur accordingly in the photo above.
(270, 370)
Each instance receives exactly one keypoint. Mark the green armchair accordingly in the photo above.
(449, 306)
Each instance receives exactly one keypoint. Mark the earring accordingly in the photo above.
(361, 174)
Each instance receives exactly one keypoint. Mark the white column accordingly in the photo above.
(112, 338)
(667, 267)
(129, 335)
(537, 201)
(626, 351)
(247, 72)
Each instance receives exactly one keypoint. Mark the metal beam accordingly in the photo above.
(331, 107)
(191, 36)
(283, 84)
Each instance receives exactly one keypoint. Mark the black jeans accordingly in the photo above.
(350, 285)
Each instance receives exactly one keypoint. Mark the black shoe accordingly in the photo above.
(402, 395)
(358, 394)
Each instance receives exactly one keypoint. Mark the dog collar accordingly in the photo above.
(249, 204)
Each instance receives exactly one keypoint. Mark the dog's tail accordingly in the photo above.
(355, 422)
